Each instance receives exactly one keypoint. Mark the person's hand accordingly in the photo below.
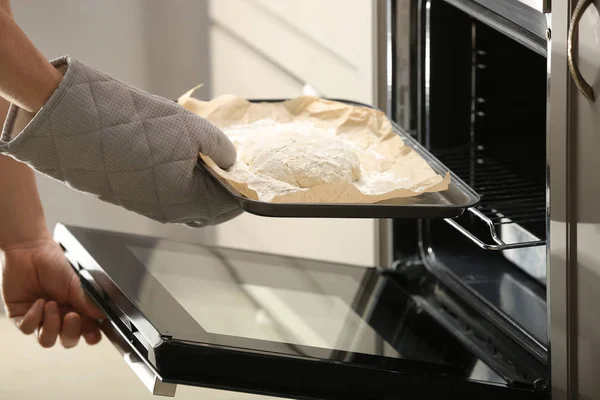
(43, 295)
(125, 146)
(41, 291)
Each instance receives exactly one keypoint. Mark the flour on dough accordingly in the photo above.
(301, 160)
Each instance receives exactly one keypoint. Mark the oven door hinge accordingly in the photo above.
(541, 386)
(410, 269)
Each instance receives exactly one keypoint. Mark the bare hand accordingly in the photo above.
(43, 295)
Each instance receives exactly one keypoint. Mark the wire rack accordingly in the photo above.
(512, 193)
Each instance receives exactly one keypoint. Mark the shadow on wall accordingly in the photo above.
(158, 46)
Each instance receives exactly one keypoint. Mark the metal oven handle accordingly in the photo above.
(130, 354)
(148, 377)
(582, 85)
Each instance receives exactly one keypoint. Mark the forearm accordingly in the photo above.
(21, 213)
(26, 77)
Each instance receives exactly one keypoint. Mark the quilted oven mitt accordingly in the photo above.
(125, 146)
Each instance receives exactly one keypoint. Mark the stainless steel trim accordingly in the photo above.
(533, 38)
(579, 80)
(424, 43)
(405, 23)
(384, 252)
(144, 371)
(384, 56)
(528, 14)
(562, 248)
(542, 6)
(143, 368)
(151, 335)
(384, 243)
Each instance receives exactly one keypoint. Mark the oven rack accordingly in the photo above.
(513, 195)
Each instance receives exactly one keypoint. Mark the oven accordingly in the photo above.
(455, 307)
(470, 83)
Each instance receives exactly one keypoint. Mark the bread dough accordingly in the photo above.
(302, 160)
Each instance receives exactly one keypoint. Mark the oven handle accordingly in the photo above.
(142, 369)
(145, 374)
(582, 85)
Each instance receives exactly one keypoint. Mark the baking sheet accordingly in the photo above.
(437, 193)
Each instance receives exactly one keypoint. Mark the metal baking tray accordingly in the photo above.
(447, 204)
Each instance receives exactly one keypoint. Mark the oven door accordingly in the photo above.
(220, 318)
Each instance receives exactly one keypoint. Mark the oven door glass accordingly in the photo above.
(206, 316)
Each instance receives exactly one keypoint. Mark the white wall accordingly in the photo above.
(107, 34)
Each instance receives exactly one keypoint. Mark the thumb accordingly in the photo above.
(82, 302)
(211, 141)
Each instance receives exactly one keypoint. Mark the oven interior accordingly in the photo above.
(481, 101)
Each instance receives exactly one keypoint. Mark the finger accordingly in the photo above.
(81, 302)
(93, 338)
(33, 318)
(71, 330)
(51, 325)
(91, 331)
(64, 310)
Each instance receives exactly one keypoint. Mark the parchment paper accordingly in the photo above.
(363, 125)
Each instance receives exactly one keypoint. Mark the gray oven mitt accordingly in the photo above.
(125, 146)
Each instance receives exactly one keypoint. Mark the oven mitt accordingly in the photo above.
(124, 146)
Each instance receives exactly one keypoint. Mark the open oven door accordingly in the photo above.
(220, 318)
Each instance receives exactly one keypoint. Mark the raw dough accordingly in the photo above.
(302, 160)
